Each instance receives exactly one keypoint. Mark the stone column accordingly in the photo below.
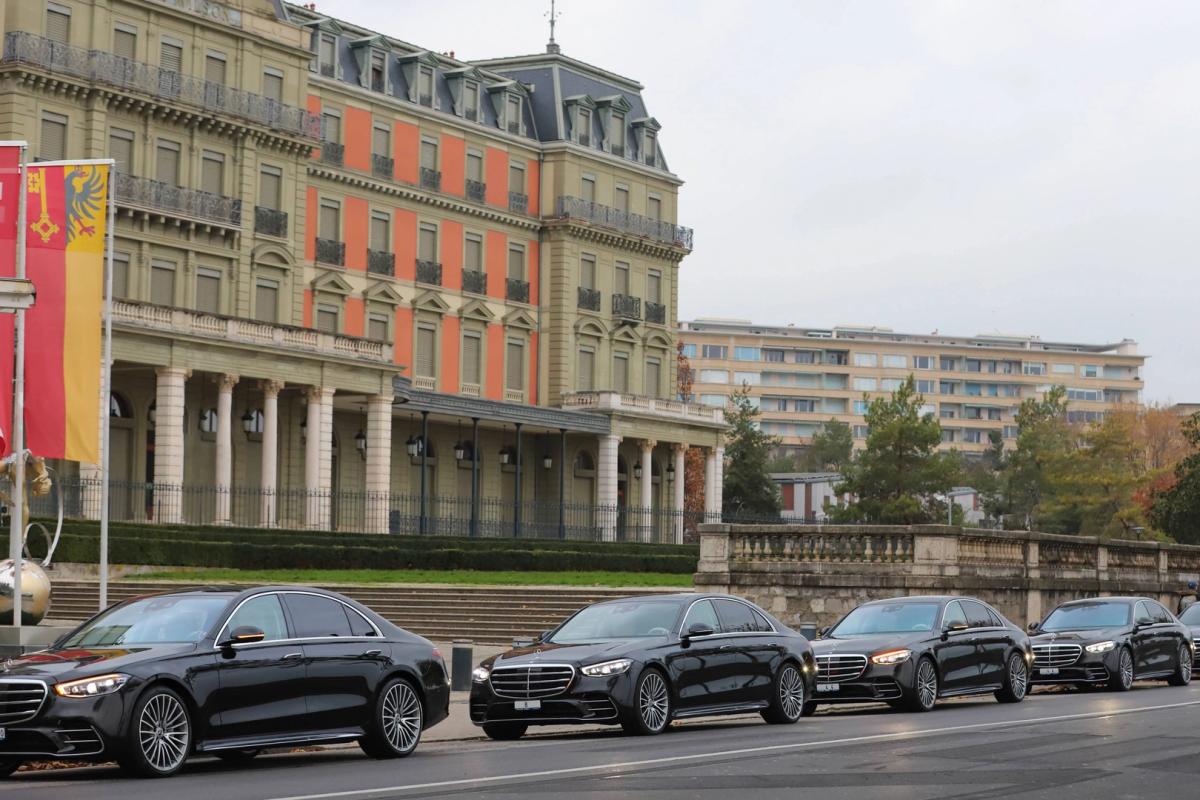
(222, 474)
(606, 486)
(719, 482)
(318, 458)
(168, 444)
(646, 490)
(679, 453)
(710, 482)
(379, 462)
(267, 515)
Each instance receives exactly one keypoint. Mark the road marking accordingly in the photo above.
(649, 762)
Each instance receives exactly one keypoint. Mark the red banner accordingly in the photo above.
(10, 204)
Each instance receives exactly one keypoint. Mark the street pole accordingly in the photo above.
(106, 383)
(16, 537)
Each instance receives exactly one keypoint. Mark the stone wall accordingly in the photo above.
(816, 573)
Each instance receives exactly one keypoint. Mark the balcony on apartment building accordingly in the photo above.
(168, 86)
(575, 208)
(643, 406)
(333, 153)
(518, 203)
(474, 281)
(330, 251)
(626, 308)
(382, 166)
(517, 289)
(476, 191)
(588, 299)
(381, 262)
(270, 221)
(429, 272)
(656, 313)
(431, 179)
(176, 201)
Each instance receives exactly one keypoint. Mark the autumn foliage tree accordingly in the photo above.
(693, 462)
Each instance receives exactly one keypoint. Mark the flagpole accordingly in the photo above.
(16, 534)
(106, 381)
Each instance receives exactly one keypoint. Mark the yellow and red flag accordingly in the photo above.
(10, 201)
(66, 215)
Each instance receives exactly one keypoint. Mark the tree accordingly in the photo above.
(782, 462)
(1176, 511)
(693, 460)
(830, 449)
(748, 488)
(896, 478)
(1043, 437)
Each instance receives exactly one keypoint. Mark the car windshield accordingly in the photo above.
(1083, 616)
(887, 618)
(152, 620)
(1191, 615)
(609, 622)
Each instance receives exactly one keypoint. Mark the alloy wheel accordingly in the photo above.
(791, 692)
(163, 732)
(1185, 662)
(654, 701)
(1018, 676)
(401, 717)
(1126, 668)
(927, 684)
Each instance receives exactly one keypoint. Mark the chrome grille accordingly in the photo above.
(1055, 655)
(532, 682)
(20, 700)
(835, 668)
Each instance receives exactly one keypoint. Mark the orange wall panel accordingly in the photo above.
(355, 228)
(310, 221)
(495, 362)
(406, 150)
(314, 107)
(534, 189)
(532, 395)
(357, 138)
(531, 270)
(495, 175)
(402, 340)
(495, 261)
(452, 244)
(454, 164)
(404, 243)
(308, 308)
(450, 348)
(352, 316)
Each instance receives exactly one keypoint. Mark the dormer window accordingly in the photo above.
(583, 129)
(650, 149)
(327, 55)
(425, 86)
(616, 134)
(646, 133)
(512, 114)
(378, 73)
(612, 114)
(471, 100)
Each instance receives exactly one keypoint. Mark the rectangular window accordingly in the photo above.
(926, 387)
(621, 199)
(974, 365)
(272, 85)
(514, 376)
(1034, 368)
(713, 351)
(471, 100)
(425, 86)
(167, 162)
(1091, 370)
(621, 278)
(516, 262)
(329, 224)
(689, 350)
(747, 378)
(654, 286)
(653, 377)
(866, 360)
(58, 23)
(616, 132)
(266, 300)
(208, 290)
(583, 130)
(380, 235)
(125, 41)
(120, 148)
(861, 431)
(377, 327)
(714, 376)
(328, 47)
(331, 127)
(327, 318)
(772, 356)
(947, 387)
(1063, 369)
(588, 189)
(860, 407)
(475, 166)
(513, 114)
(472, 364)
(427, 242)
(717, 400)
(864, 384)
(620, 381)
(924, 362)
(425, 355)
(381, 140)
(948, 364)
(895, 362)
(214, 68)
(473, 253)
(516, 178)
(270, 187)
(654, 208)
(890, 384)
(587, 271)
(212, 172)
(162, 282)
(378, 71)
(120, 275)
(745, 354)
(429, 154)
(170, 56)
(585, 377)
(53, 146)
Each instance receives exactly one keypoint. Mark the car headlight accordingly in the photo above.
(607, 668)
(891, 657)
(1100, 647)
(91, 687)
(481, 674)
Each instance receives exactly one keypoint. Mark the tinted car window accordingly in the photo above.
(1191, 615)
(977, 614)
(1142, 615)
(314, 615)
(1080, 616)
(263, 612)
(359, 626)
(1160, 614)
(703, 612)
(887, 618)
(152, 620)
(739, 618)
(606, 622)
(954, 615)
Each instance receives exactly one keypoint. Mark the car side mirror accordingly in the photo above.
(243, 634)
(541, 637)
(698, 629)
(1034, 626)
(822, 631)
(953, 627)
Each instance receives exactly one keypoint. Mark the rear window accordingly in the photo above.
(740, 618)
(315, 616)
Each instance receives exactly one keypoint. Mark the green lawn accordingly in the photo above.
(382, 576)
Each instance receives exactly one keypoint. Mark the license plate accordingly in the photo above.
(527, 705)
(1048, 671)
(827, 687)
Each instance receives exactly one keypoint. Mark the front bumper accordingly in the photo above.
(586, 701)
(1088, 668)
(85, 728)
(877, 683)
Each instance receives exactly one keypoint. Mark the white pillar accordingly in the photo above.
(223, 473)
(679, 452)
(168, 444)
(710, 482)
(270, 453)
(379, 462)
(719, 482)
(318, 458)
(646, 491)
(606, 486)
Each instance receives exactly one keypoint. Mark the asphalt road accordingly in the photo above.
(1143, 744)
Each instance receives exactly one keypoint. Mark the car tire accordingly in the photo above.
(159, 736)
(651, 713)
(8, 766)
(1122, 679)
(396, 723)
(809, 709)
(505, 731)
(1016, 680)
(789, 695)
(1183, 666)
(237, 756)
(925, 686)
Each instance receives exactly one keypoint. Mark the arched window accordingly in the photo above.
(118, 407)
(585, 466)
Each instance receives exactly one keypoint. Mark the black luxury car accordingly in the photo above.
(1191, 617)
(1111, 641)
(223, 672)
(909, 651)
(643, 661)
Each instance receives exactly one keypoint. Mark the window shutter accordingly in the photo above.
(589, 190)
(516, 263)
(327, 319)
(654, 287)
(332, 125)
(162, 284)
(214, 69)
(654, 208)
(475, 167)
(377, 326)
(622, 199)
(426, 339)
(620, 381)
(120, 147)
(329, 225)
(58, 25)
(125, 44)
(212, 173)
(428, 155)
(266, 301)
(379, 233)
(653, 377)
(208, 291)
(171, 57)
(621, 285)
(53, 146)
(427, 246)
(167, 168)
(473, 255)
(587, 272)
(587, 369)
(270, 188)
(380, 141)
(120, 275)
(515, 378)
(471, 359)
(273, 86)
(516, 179)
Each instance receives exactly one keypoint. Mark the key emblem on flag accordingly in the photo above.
(44, 227)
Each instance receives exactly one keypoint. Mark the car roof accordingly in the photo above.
(1084, 600)
(920, 598)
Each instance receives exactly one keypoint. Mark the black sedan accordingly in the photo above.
(644, 661)
(1191, 617)
(223, 672)
(1111, 641)
(910, 651)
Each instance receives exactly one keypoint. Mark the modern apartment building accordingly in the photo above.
(803, 377)
(353, 271)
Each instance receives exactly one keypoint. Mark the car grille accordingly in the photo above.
(20, 700)
(837, 668)
(529, 683)
(1055, 655)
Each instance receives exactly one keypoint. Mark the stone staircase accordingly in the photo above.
(492, 615)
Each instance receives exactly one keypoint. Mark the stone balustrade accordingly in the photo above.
(656, 406)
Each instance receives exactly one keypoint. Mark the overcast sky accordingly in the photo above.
(969, 167)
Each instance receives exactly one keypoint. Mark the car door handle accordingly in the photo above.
(372, 653)
(293, 656)
(725, 647)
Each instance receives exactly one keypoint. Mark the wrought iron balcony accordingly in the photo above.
(589, 299)
(518, 203)
(626, 307)
(431, 179)
(567, 207)
(618, 150)
(425, 100)
(585, 140)
(474, 281)
(514, 127)
(101, 67)
(656, 313)
(333, 153)
(429, 272)
(164, 197)
(327, 70)
(517, 289)
(377, 83)
(270, 222)
(471, 114)
(382, 166)
(476, 191)
(331, 252)
(381, 262)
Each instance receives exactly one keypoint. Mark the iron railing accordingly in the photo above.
(425, 99)
(431, 179)
(429, 272)
(517, 289)
(518, 203)
(333, 153)
(474, 281)
(382, 166)
(567, 207)
(161, 196)
(618, 150)
(471, 114)
(656, 313)
(585, 140)
(330, 251)
(589, 299)
(626, 307)
(101, 67)
(476, 191)
(514, 127)
(270, 221)
(381, 262)
(327, 70)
